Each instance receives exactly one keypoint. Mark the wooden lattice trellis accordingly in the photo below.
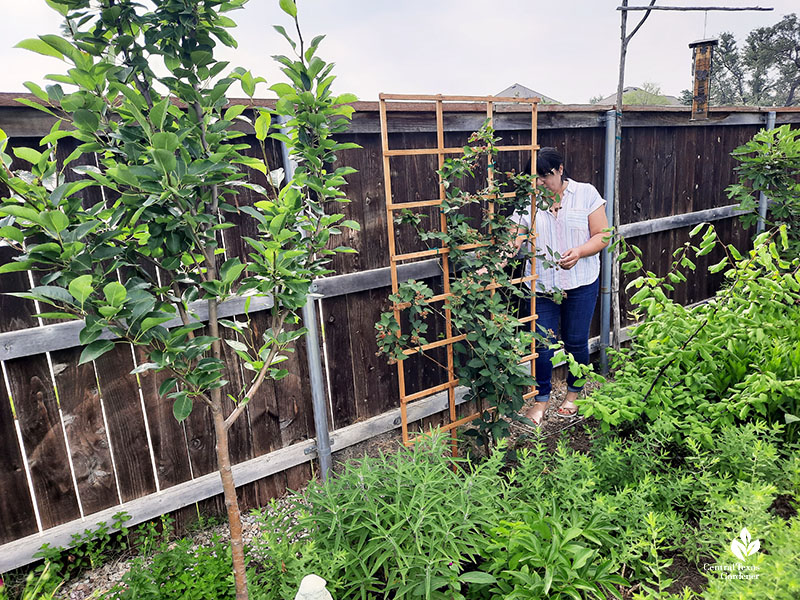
(438, 102)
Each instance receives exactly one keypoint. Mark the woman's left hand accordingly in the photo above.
(569, 258)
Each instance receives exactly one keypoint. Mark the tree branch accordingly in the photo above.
(262, 373)
(644, 18)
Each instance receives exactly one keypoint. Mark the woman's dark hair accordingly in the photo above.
(548, 159)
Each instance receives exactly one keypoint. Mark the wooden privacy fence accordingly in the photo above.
(81, 443)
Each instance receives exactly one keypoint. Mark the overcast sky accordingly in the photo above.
(566, 49)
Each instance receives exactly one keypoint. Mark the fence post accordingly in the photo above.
(318, 399)
(762, 198)
(605, 256)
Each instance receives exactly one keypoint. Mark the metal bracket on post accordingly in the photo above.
(318, 399)
(762, 198)
(605, 256)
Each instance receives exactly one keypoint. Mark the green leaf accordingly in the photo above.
(55, 220)
(16, 265)
(283, 89)
(151, 322)
(695, 230)
(115, 293)
(167, 385)
(81, 288)
(56, 315)
(148, 366)
(477, 577)
(158, 113)
(166, 140)
(95, 350)
(719, 266)
(233, 112)
(289, 7)
(86, 120)
(346, 99)
(28, 154)
(230, 270)
(36, 91)
(11, 233)
(237, 345)
(64, 47)
(182, 407)
(354, 225)
(262, 125)
(40, 47)
(22, 212)
(165, 160)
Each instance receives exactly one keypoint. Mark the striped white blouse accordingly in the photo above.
(558, 233)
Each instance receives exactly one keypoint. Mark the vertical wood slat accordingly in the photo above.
(166, 434)
(126, 422)
(17, 517)
(86, 431)
(43, 437)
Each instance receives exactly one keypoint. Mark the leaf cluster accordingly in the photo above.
(769, 164)
(714, 364)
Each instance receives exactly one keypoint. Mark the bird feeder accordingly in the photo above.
(702, 52)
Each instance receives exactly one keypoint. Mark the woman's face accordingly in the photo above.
(552, 180)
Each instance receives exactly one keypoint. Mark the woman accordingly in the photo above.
(570, 235)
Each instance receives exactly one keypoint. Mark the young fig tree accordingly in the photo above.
(147, 102)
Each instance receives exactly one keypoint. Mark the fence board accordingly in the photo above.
(336, 330)
(126, 427)
(167, 436)
(17, 518)
(86, 431)
(43, 438)
(375, 381)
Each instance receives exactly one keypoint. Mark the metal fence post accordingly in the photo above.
(762, 198)
(605, 256)
(318, 399)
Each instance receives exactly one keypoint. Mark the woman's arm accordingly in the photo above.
(597, 223)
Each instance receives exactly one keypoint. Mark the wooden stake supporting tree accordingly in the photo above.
(472, 261)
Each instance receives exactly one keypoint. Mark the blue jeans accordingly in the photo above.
(571, 319)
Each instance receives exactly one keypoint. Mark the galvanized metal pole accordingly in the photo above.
(318, 400)
(605, 256)
(762, 198)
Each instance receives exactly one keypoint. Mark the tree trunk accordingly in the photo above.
(224, 465)
(231, 502)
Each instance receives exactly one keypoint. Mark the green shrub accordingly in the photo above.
(180, 571)
(279, 559)
(544, 556)
(770, 163)
(716, 364)
(41, 584)
(406, 524)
